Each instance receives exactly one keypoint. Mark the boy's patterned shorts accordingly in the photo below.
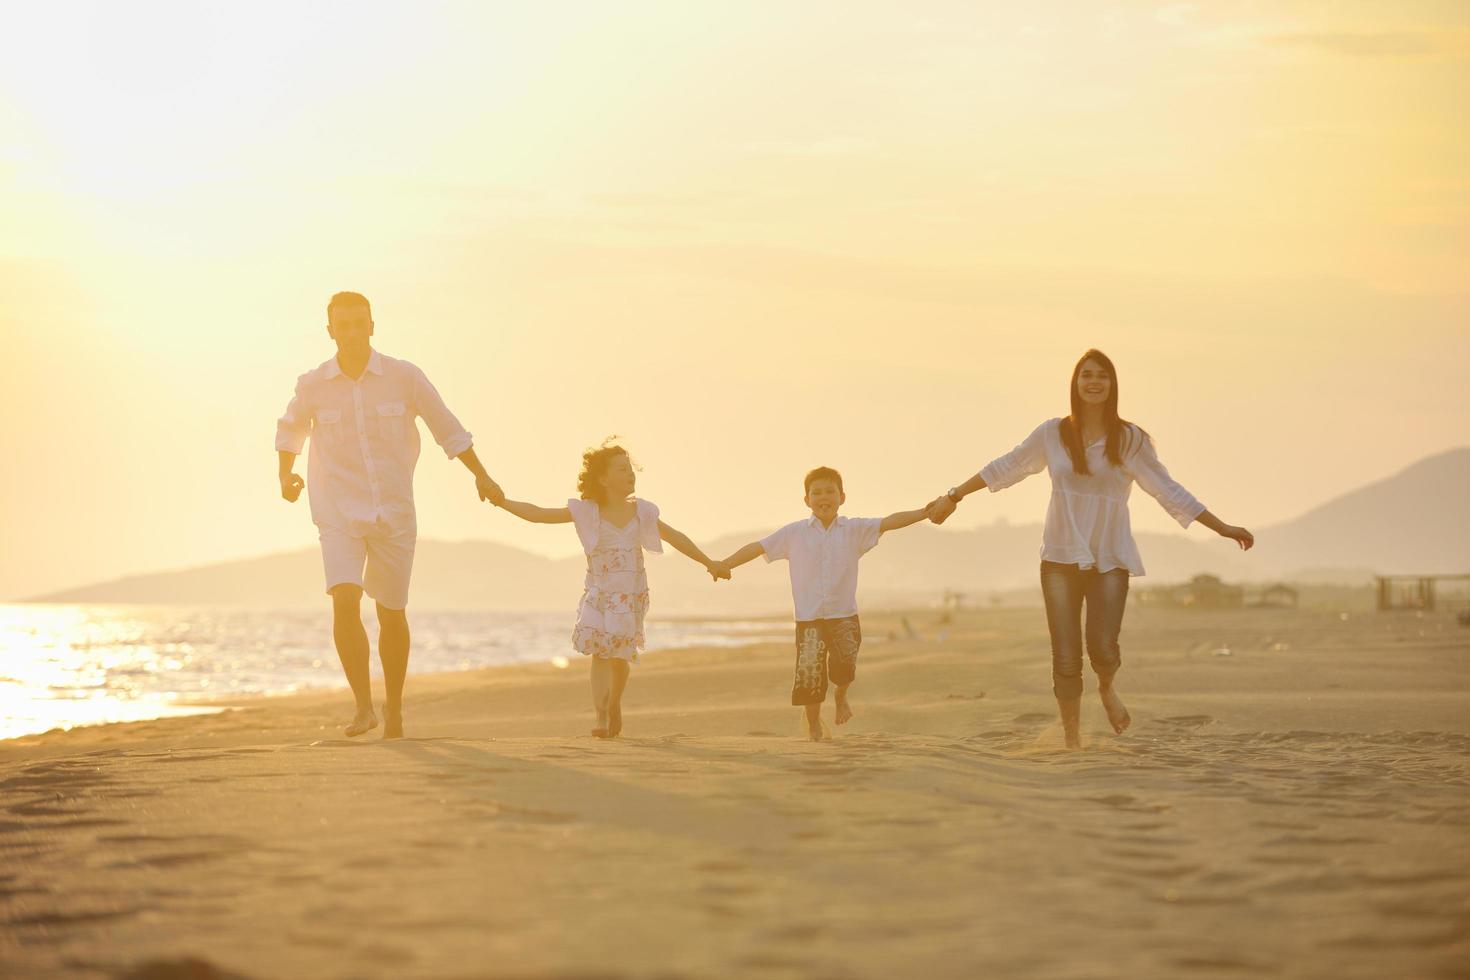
(825, 647)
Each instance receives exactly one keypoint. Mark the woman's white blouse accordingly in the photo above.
(1087, 520)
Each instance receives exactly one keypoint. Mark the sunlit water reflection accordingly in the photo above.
(64, 666)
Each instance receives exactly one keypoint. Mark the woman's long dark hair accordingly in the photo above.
(1121, 434)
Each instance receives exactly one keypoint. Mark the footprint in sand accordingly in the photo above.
(772, 961)
(727, 883)
(1122, 801)
(15, 891)
(77, 918)
(797, 932)
(1186, 721)
(722, 867)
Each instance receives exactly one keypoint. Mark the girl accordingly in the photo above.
(1087, 552)
(615, 529)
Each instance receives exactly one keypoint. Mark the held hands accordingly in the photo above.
(291, 485)
(940, 508)
(718, 570)
(489, 490)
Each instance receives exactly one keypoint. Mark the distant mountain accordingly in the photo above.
(446, 574)
(1415, 521)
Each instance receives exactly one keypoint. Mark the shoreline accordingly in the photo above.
(882, 629)
(324, 673)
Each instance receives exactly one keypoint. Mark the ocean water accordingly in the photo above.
(64, 666)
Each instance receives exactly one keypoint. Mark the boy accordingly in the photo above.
(823, 551)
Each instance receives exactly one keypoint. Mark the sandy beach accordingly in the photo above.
(1299, 807)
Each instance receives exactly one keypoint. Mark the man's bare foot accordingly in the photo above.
(614, 719)
(392, 723)
(362, 723)
(1113, 705)
(844, 710)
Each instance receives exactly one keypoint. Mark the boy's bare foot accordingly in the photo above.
(844, 710)
(814, 730)
(1113, 705)
(614, 719)
(362, 723)
(392, 723)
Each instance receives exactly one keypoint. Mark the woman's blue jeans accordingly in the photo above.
(1065, 589)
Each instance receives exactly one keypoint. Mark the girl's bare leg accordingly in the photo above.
(615, 696)
(601, 687)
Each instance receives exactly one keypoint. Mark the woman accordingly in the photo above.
(1087, 552)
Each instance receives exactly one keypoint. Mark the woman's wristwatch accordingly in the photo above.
(954, 495)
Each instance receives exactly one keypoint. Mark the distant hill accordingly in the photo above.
(1417, 520)
(446, 574)
(1414, 521)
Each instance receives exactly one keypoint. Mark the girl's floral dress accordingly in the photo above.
(615, 598)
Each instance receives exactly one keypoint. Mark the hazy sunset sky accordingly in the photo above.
(749, 238)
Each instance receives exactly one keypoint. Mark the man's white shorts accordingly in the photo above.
(388, 558)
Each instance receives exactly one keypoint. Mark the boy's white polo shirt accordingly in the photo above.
(824, 562)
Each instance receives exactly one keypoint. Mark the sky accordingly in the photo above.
(747, 238)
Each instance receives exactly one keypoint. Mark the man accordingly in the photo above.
(359, 410)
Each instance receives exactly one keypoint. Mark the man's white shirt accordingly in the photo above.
(824, 562)
(364, 443)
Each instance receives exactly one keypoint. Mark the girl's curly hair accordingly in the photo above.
(594, 465)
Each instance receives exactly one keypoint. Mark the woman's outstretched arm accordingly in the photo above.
(1027, 458)
(1237, 534)
(943, 505)
(1178, 502)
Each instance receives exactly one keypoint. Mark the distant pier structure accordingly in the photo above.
(1423, 592)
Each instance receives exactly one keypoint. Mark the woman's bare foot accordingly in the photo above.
(614, 719)
(844, 710)
(392, 722)
(362, 723)
(600, 729)
(1117, 714)
(1071, 712)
